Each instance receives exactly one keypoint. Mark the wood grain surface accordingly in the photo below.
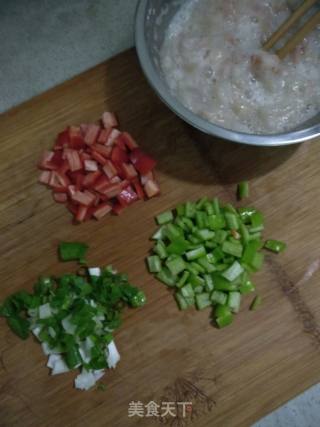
(233, 376)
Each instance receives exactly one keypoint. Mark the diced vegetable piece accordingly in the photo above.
(250, 250)
(234, 300)
(81, 213)
(183, 279)
(196, 253)
(243, 190)
(91, 135)
(127, 196)
(233, 272)
(204, 234)
(232, 249)
(164, 217)
(219, 297)
(90, 166)
(119, 156)
(102, 210)
(128, 141)
(109, 169)
(275, 246)
(60, 197)
(113, 136)
(187, 291)
(232, 221)
(246, 286)
(73, 159)
(257, 220)
(160, 250)
(216, 206)
(208, 282)
(175, 265)
(44, 177)
(72, 251)
(154, 264)
(151, 188)
(129, 171)
(83, 198)
(109, 120)
(257, 261)
(256, 303)
(223, 315)
(166, 277)
(203, 300)
(207, 266)
(178, 246)
(216, 222)
(141, 161)
(220, 236)
(181, 301)
(220, 283)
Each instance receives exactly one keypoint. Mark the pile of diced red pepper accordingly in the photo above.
(97, 169)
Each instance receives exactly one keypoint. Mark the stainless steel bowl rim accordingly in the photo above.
(187, 115)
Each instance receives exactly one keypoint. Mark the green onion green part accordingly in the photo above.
(72, 251)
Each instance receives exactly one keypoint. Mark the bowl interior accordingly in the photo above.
(152, 20)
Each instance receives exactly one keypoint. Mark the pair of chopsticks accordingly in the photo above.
(298, 37)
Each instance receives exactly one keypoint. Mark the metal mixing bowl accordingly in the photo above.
(152, 19)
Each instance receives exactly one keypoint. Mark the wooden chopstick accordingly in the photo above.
(297, 38)
(299, 13)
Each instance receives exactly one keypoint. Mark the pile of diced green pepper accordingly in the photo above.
(206, 252)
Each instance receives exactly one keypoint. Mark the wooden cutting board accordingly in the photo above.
(233, 376)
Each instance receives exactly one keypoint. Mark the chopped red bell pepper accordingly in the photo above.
(83, 129)
(102, 210)
(141, 161)
(91, 178)
(117, 208)
(104, 135)
(102, 149)
(151, 188)
(60, 197)
(101, 184)
(138, 188)
(95, 170)
(45, 160)
(127, 196)
(109, 120)
(83, 198)
(91, 134)
(129, 171)
(82, 213)
(44, 177)
(73, 159)
(145, 178)
(119, 156)
(90, 166)
(128, 140)
(109, 169)
(63, 140)
(112, 137)
(113, 190)
(98, 157)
